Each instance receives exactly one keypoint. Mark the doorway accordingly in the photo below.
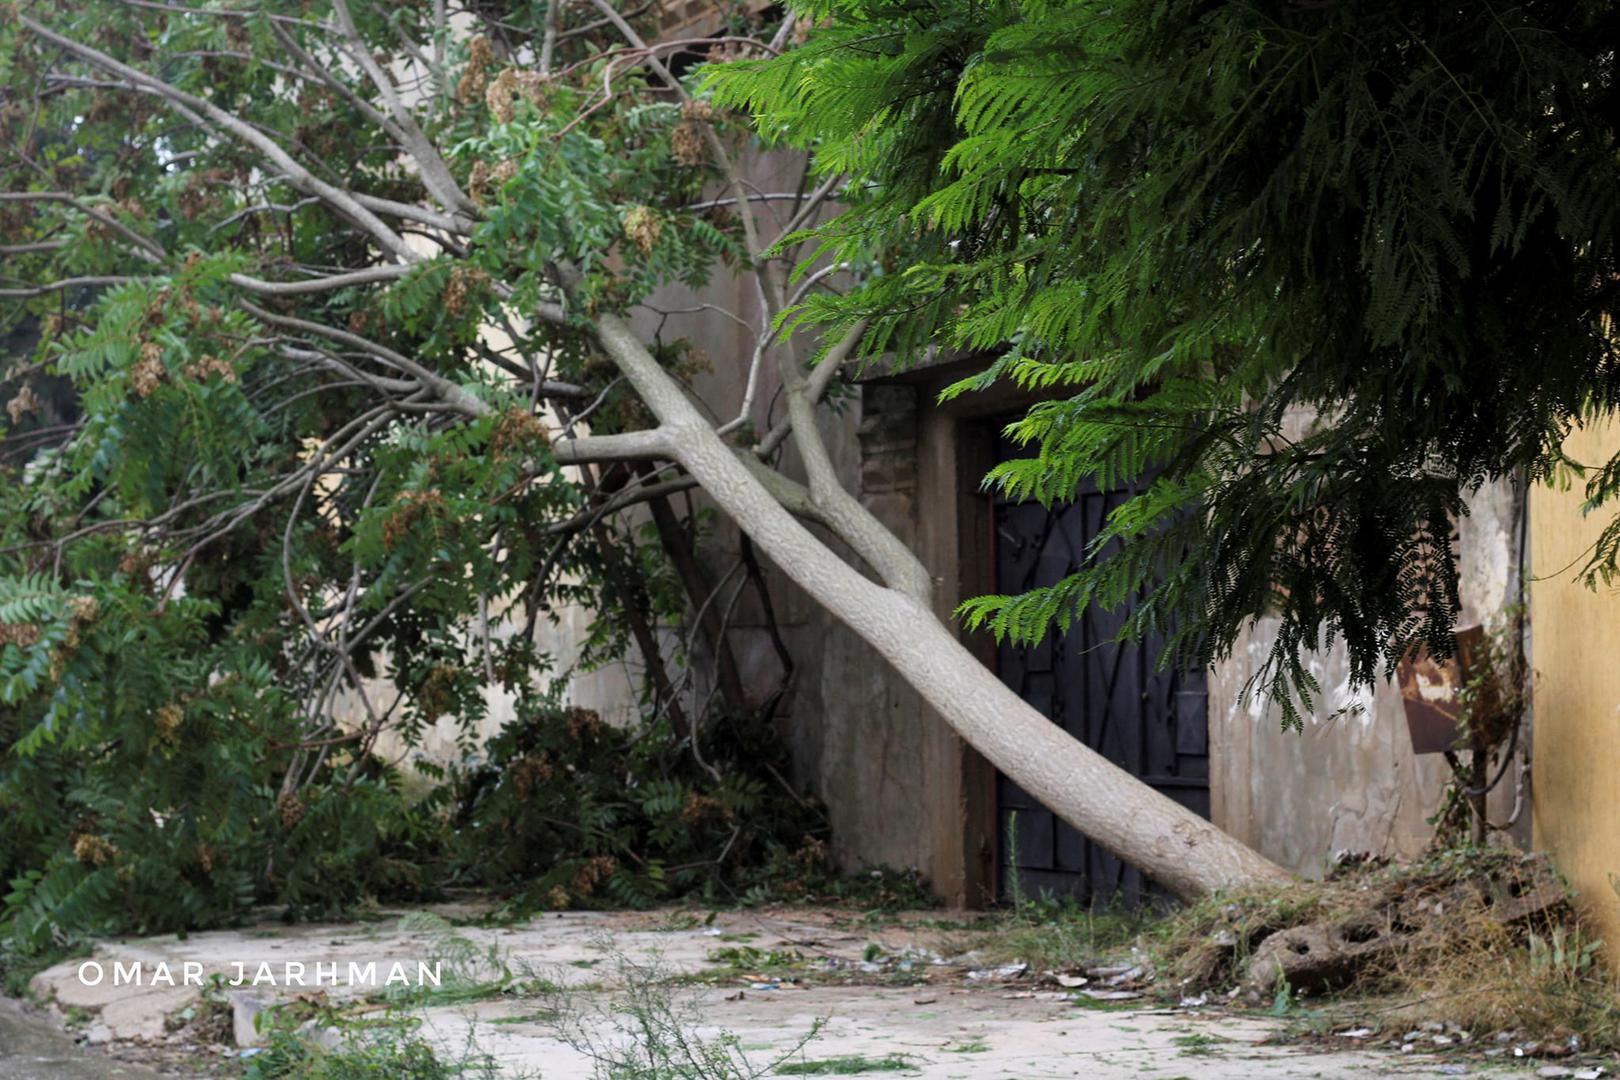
(1112, 697)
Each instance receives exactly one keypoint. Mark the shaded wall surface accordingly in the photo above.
(1349, 781)
(1576, 657)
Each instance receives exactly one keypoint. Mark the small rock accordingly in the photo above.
(1432, 1026)
(924, 1001)
(1550, 1072)
(246, 1005)
(97, 1034)
(1356, 1033)
(1194, 1002)
(1072, 981)
(1589, 1074)
(1454, 1070)
(1111, 995)
(1443, 1040)
(1407, 1048)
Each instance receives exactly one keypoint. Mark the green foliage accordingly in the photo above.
(569, 811)
(849, 1065)
(367, 1054)
(1306, 275)
(238, 556)
(138, 782)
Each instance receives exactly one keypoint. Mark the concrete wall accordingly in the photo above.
(1576, 656)
(1347, 782)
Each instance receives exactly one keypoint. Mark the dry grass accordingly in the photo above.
(1446, 949)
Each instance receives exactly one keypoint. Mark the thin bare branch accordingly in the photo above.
(296, 174)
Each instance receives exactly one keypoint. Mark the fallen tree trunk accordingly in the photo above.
(1182, 851)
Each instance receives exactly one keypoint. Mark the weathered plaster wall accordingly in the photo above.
(1576, 656)
(1346, 782)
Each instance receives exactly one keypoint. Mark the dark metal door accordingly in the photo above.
(1112, 697)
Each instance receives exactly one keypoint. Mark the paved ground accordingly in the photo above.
(34, 1048)
(764, 979)
(951, 1035)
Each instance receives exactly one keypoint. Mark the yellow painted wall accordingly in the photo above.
(1576, 655)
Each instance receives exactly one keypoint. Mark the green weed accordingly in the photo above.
(852, 1065)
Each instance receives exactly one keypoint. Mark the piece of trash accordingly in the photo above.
(738, 996)
(1073, 982)
(1355, 1033)
(1193, 1002)
(1006, 971)
(713, 931)
(1552, 1072)
(1454, 1070)
(1589, 1074)
(1111, 995)
(924, 1001)
(1108, 971)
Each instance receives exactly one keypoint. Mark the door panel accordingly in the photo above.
(1152, 723)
